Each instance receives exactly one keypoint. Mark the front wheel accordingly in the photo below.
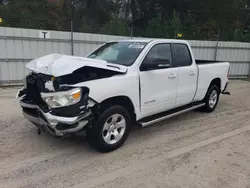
(212, 99)
(110, 130)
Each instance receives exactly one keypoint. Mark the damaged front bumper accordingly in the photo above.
(55, 125)
(58, 109)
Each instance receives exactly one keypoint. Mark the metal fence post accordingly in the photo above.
(72, 25)
(72, 38)
(216, 47)
(131, 31)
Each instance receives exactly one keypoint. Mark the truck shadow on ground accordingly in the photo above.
(138, 134)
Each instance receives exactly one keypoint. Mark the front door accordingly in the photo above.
(158, 81)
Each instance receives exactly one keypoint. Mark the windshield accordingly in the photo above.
(122, 53)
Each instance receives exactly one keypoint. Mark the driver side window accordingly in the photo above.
(159, 57)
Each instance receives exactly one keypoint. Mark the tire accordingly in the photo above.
(211, 99)
(110, 129)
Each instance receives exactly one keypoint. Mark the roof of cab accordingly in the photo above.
(148, 40)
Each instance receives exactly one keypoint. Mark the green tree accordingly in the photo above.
(196, 19)
(32, 14)
(115, 27)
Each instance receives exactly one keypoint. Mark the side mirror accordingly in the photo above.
(155, 64)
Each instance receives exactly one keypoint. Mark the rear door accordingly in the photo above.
(187, 74)
(159, 84)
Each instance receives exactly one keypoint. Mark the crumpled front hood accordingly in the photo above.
(59, 65)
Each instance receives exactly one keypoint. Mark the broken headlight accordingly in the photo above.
(63, 98)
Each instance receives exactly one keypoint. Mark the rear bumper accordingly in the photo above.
(55, 125)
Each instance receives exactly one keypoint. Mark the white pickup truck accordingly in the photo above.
(118, 84)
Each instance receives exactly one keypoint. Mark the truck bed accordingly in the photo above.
(208, 71)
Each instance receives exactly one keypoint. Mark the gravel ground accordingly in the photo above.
(192, 150)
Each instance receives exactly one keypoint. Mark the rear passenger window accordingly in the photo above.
(182, 55)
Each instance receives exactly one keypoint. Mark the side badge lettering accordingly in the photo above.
(150, 102)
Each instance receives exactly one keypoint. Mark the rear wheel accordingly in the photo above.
(211, 99)
(110, 130)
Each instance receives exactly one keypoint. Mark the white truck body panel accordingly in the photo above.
(157, 96)
(114, 87)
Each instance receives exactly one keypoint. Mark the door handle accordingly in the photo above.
(192, 73)
(172, 76)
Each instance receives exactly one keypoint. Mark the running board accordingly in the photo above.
(169, 115)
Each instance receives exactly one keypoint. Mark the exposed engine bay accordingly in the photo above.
(48, 83)
(84, 74)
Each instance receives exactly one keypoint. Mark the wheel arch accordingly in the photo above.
(216, 82)
(121, 100)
